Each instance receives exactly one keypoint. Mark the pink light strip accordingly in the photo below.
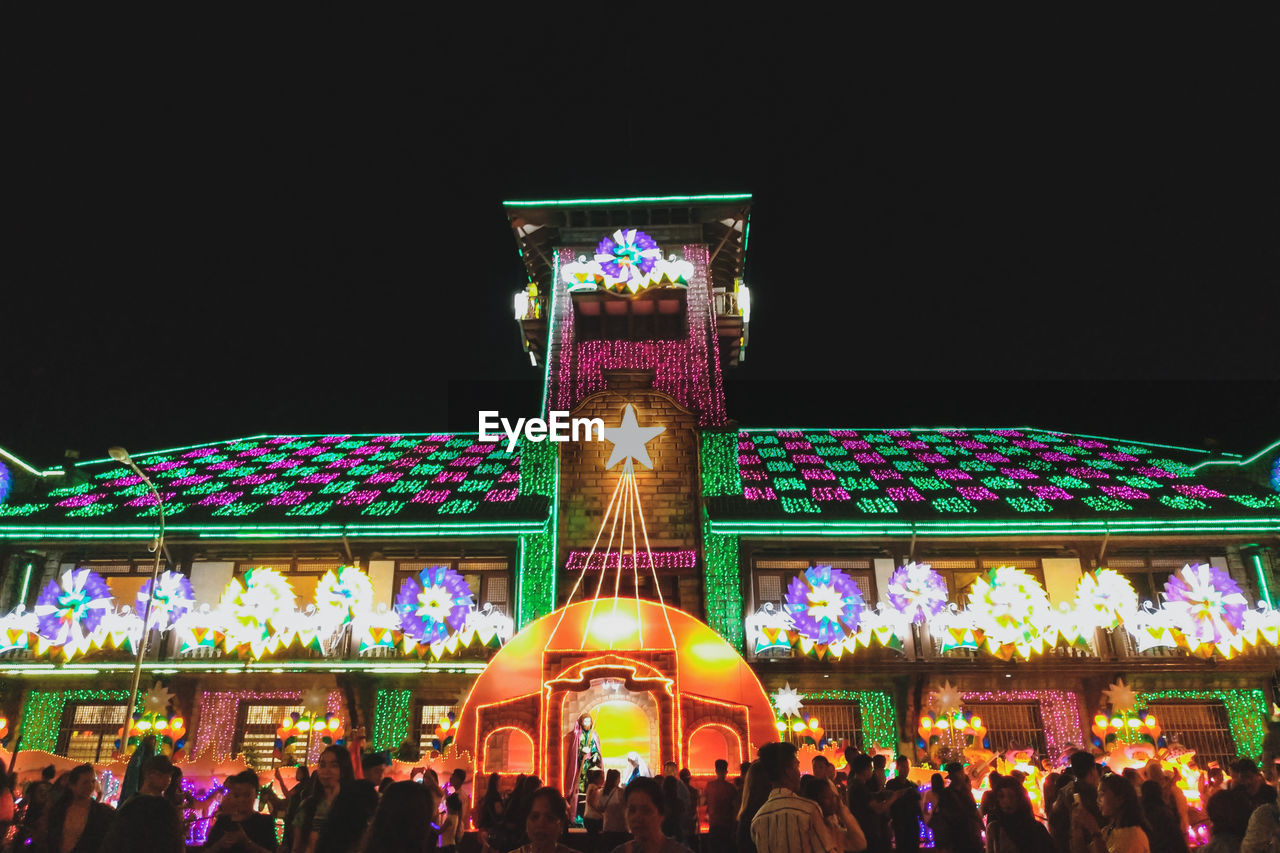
(1060, 710)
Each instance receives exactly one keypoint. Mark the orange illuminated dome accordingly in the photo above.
(677, 688)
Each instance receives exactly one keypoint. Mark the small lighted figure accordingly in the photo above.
(637, 766)
(582, 755)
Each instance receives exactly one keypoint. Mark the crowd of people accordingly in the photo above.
(771, 807)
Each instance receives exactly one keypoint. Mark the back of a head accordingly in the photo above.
(48, 773)
(1229, 811)
(722, 767)
(860, 764)
(158, 764)
(937, 783)
(1130, 811)
(349, 815)
(775, 760)
(401, 821)
(144, 823)
(1081, 763)
(1242, 767)
(755, 790)
(1152, 799)
(811, 788)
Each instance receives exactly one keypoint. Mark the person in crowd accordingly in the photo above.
(1134, 778)
(1229, 813)
(1263, 834)
(300, 776)
(489, 810)
(686, 801)
(722, 799)
(866, 807)
(636, 767)
(673, 810)
(431, 781)
(74, 822)
(35, 799)
(1174, 799)
(1271, 750)
(878, 764)
(988, 805)
(1049, 790)
(645, 804)
(546, 822)
(755, 791)
(612, 804)
(402, 822)
(1244, 774)
(961, 811)
(1125, 830)
(741, 781)
(1012, 827)
(931, 807)
(1068, 833)
(592, 817)
(1166, 832)
(451, 830)
(787, 822)
(692, 821)
(842, 825)
(348, 817)
(904, 813)
(333, 771)
(148, 821)
(238, 828)
(459, 785)
(373, 767)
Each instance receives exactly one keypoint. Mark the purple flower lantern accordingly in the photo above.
(72, 606)
(1206, 604)
(825, 604)
(433, 605)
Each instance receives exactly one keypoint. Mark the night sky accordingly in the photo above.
(1080, 236)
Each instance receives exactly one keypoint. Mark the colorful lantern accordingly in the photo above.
(434, 605)
(1106, 598)
(917, 593)
(343, 594)
(300, 729)
(174, 598)
(155, 720)
(250, 607)
(69, 609)
(825, 604)
(1205, 605)
(1009, 606)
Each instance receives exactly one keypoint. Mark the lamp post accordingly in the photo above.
(121, 455)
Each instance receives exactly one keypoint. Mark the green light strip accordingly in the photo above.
(42, 713)
(1263, 452)
(724, 588)
(651, 199)
(1263, 587)
(1247, 713)
(879, 717)
(982, 429)
(391, 719)
(478, 528)
(4, 454)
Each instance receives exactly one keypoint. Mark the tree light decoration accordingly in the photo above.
(824, 603)
(916, 592)
(435, 604)
(70, 608)
(391, 716)
(342, 594)
(300, 730)
(1206, 604)
(173, 599)
(1106, 597)
(154, 719)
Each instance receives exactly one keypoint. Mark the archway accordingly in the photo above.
(709, 743)
(507, 751)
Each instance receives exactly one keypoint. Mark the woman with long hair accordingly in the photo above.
(332, 773)
(935, 814)
(835, 812)
(402, 823)
(613, 805)
(74, 812)
(673, 814)
(1126, 830)
(489, 810)
(546, 822)
(645, 811)
(755, 790)
(349, 817)
(1165, 830)
(1012, 826)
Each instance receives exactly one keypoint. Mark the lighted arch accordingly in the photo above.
(708, 677)
(507, 750)
(710, 742)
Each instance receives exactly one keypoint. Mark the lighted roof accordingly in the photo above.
(648, 199)
(1013, 480)
(274, 485)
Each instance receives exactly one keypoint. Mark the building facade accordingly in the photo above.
(1007, 572)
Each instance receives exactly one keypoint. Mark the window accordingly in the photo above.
(1011, 724)
(1201, 726)
(430, 713)
(961, 573)
(256, 733)
(124, 577)
(1148, 574)
(770, 578)
(89, 731)
(842, 721)
(658, 315)
(489, 579)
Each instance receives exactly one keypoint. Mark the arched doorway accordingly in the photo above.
(712, 742)
(507, 751)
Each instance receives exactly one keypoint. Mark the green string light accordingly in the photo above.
(724, 586)
(42, 713)
(391, 719)
(720, 475)
(1246, 713)
(879, 717)
(536, 580)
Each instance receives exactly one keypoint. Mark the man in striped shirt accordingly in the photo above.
(787, 822)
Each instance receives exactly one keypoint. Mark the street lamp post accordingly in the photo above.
(121, 455)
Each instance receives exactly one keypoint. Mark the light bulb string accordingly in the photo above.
(653, 569)
(583, 573)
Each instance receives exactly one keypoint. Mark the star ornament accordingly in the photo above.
(629, 440)
(787, 701)
(1120, 696)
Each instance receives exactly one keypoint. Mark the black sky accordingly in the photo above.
(1048, 223)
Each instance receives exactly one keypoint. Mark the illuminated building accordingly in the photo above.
(867, 569)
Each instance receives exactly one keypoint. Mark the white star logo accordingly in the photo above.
(629, 440)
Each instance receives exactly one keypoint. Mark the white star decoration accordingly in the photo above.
(946, 698)
(315, 700)
(157, 699)
(1120, 696)
(629, 439)
(787, 701)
